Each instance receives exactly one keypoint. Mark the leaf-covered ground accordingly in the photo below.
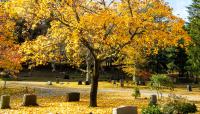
(57, 104)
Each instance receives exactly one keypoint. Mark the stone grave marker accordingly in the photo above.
(57, 80)
(79, 82)
(189, 88)
(87, 83)
(5, 102)
(153, 100)
(125, 110)
(29, 100)
(72, 97)
(122, 82)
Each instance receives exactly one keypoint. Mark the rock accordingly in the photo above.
(79, 82)
(29, 100)
(73, 96)
(49, 83)
(5, 102)
(153, 100)
(125, 110)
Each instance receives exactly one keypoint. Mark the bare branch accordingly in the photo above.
(120, 47)
(111, 3)
(88, 46)
(130, 8)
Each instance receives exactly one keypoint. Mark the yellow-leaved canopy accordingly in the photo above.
(106, 28)
(9, 56)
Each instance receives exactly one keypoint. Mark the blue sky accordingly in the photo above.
(179, 7)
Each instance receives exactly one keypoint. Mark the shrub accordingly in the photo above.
(136, 92)
(179, 105)
(151, 110)
(186, 108)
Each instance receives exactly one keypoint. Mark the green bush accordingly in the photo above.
(136, 92)
(179, 107)
(151, 110)
(186, 108)
(169, 108)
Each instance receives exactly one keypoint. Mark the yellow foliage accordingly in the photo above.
(56, 105)
(118, 29)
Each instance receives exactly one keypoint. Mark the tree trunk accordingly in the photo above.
(88, 71)
(94, 85)
(53, 66)
(4, 85)
(89, 64)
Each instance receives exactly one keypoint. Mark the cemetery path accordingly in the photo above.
(45, 90)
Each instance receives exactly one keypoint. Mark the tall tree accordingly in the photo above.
(105, 29)
(194, 31)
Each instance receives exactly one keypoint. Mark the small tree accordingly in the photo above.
(159, 82)
(136, 92)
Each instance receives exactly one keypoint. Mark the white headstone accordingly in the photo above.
(125, 110)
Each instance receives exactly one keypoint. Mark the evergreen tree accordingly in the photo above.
(194, 31)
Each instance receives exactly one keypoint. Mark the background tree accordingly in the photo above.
(9, 57)
(194, 31)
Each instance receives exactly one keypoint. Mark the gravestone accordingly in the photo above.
(141, 82)
(72, 96)
(114, 82)
(122, 82)
(29, 100)
(189, 88)
(5, 102)
(153, 100)
(49, 83)
(57, 80)
(79, 82)
(87, 83)
(125, 110)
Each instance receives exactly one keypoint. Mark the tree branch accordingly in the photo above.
(129, 6)
(118, 49)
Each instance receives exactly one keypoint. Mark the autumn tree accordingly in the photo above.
(105, 29)
(9, 57)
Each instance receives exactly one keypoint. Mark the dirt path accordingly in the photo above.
(56, 91)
